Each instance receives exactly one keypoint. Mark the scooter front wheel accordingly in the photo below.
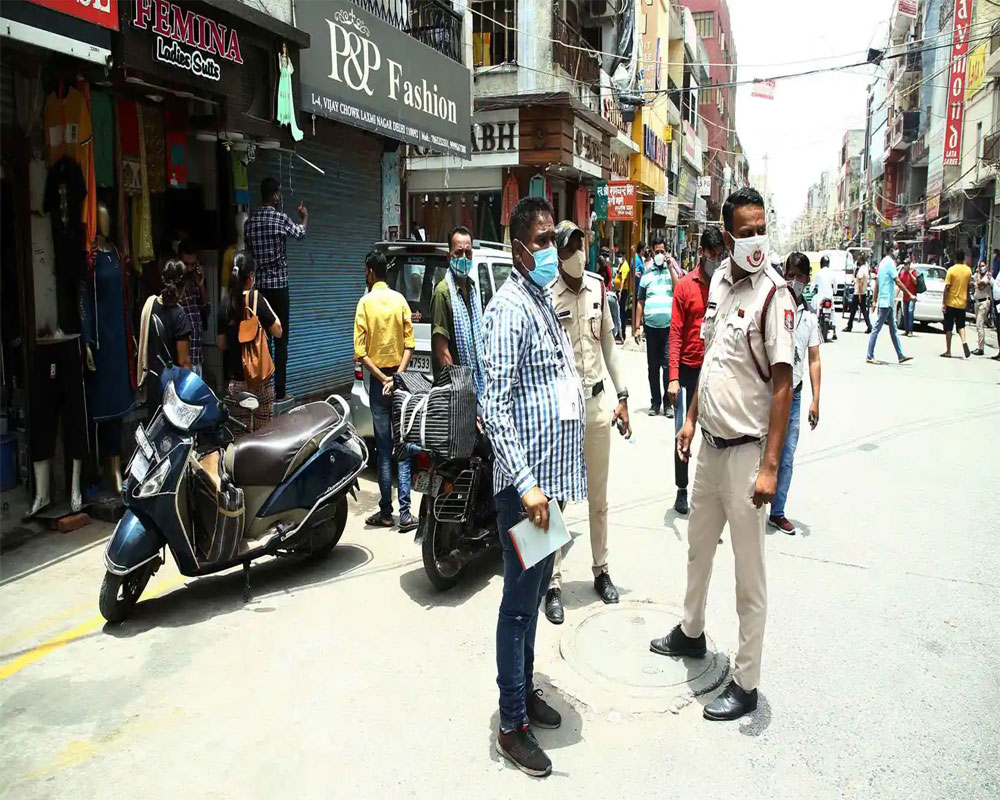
(120, 593)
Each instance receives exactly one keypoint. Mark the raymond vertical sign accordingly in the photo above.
(956, 84)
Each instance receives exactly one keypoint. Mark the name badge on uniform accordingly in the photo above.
(568, 390)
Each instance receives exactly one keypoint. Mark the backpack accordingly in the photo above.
(257, 363)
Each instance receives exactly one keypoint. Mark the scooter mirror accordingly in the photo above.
(249, 402)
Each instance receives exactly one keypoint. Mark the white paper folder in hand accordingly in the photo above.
(533, 544)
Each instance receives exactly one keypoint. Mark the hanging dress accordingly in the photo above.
(286, 108)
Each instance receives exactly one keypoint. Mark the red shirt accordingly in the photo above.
(690, 299)
(909, 280)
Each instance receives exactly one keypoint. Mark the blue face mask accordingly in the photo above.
(546, 267)
(461, 266)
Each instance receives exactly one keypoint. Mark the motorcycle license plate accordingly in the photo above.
(144, 444)
(420, 363)
(139, 467)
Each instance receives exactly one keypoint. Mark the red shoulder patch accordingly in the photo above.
(789, 319)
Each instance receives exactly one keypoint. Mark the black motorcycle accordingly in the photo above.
(458, 518)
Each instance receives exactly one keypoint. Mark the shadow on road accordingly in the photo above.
(476, 577)
(581, 594)
(215, 595)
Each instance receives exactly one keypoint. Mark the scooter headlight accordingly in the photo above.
(180, 414)
(154, 482)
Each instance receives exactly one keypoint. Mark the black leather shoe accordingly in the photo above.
(553, 607)
(540, 713)
(733, 703)
(677, 644)
(605, 588)
(681, 503)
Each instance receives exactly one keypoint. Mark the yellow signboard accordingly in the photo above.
(668, 135)
(976, 73)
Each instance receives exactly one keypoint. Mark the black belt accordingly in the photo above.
(598, 388)
(798, 388)
(721, 444)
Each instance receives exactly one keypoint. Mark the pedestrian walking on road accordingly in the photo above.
(956, 300)
(534, 413)
(383, 343)
(687, 348)
(655, 302)
(860, 299)
(807, 341)
(742, 405)
(886, 281)
(996, 315)
(908, 277)
(194, 299)
(265, 233)
(582, 307)
(983, 299)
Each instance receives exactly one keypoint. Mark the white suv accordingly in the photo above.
(415, 269)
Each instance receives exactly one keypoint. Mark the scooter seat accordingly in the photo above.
(268, 456)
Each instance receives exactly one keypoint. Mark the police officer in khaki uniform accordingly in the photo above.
(741, 405)
(580, 301)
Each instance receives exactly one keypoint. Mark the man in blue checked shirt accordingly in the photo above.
(534, 413)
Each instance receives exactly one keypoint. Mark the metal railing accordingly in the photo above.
(494, 32)
(574, 53)
(433, 22)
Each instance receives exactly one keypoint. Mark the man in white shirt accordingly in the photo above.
(807, 341)
(862, 276)
(826, 289)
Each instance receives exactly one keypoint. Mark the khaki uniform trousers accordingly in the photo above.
(982, 312)
(597, 454)
(724, 482)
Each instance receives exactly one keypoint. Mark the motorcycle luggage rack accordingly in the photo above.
(452, 506)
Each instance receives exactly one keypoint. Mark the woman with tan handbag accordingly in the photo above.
(249, 317)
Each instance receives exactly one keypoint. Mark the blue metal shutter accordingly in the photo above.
(326, 272)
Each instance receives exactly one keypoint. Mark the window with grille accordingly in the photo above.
(704, 21)
(494, 32)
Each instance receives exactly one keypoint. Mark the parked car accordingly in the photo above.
(928, 308)
(415, 268)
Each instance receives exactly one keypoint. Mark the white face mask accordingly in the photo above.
(659, 258)
(750, 254)
(573, 266)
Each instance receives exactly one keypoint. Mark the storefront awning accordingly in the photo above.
(946, 227)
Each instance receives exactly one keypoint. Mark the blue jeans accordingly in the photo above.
(787, 456)
(884, 315)
(381, 407)
(908, 308)
(615, 314)
(523, 590)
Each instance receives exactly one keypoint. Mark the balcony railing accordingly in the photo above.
(902, 134)
(433, 22)
(991, 149)
(573, 53)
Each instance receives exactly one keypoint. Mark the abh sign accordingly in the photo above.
(363, 72)
(182, 43)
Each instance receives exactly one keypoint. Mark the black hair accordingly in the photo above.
(711, 238)
(799, 262)
(747, 196)
(376, 262)
(458, 229)
(187, 248)
(527, 210)
(659, 240)
(173, 274)
(244, 268)
(959, 256)
(268, 188)
(861, 260)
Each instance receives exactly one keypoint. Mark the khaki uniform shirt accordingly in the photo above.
(591, 331)
(733, 400)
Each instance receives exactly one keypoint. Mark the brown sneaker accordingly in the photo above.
(782, 523)
(521, 748)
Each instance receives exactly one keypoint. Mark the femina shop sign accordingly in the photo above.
(956, 84)
(363, 72)
(98, 12)
(186, 40)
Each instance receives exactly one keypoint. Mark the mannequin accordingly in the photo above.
(109, 386)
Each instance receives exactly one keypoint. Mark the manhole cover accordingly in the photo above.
(610, 649)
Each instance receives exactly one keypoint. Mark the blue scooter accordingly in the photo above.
(216, 502)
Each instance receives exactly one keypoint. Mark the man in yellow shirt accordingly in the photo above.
(956, 298)
(383, 342)
(621, 286)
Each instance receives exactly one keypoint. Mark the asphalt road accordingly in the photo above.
(352, 678)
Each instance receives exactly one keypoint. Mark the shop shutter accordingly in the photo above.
(326, 273)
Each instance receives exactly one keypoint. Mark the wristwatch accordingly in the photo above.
(623, 395)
